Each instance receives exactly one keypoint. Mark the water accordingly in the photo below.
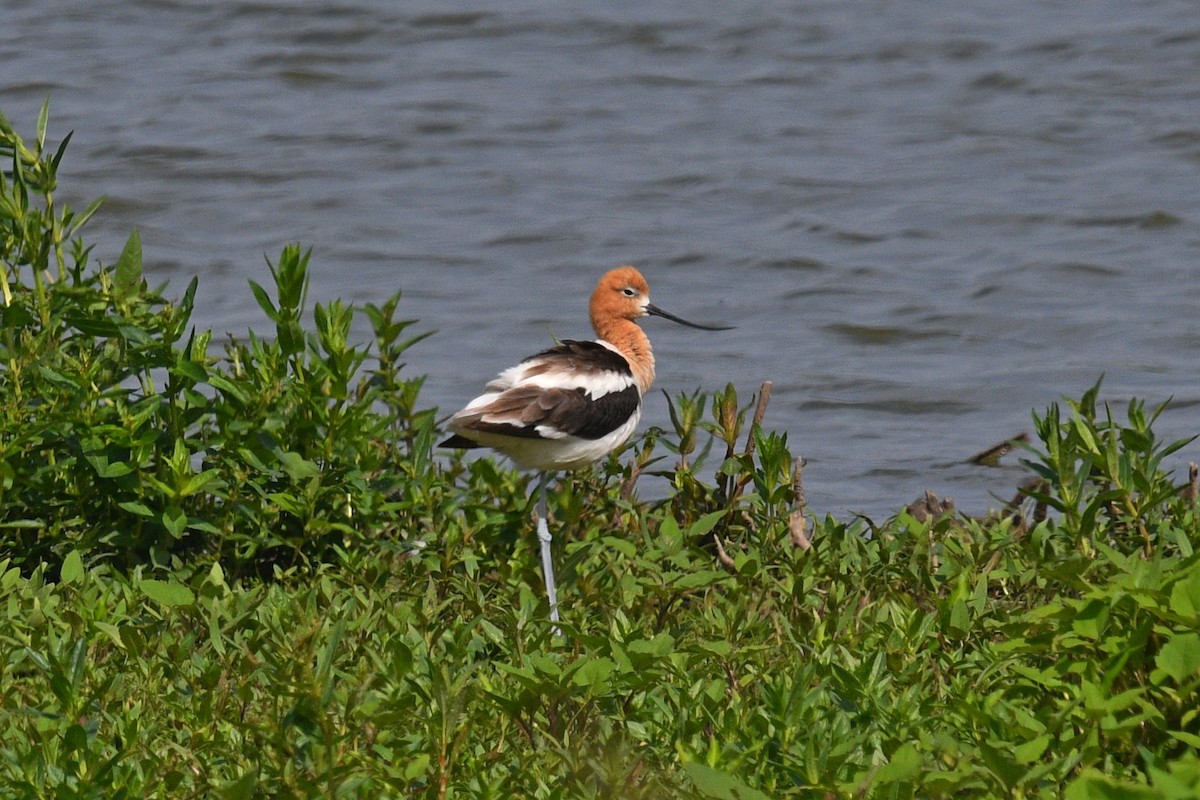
(926, 219)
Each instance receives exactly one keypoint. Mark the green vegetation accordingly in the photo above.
(245, 574)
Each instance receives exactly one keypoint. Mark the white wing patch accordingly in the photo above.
(595, 382)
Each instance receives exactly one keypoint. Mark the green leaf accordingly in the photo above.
(192, 370)
(231, 390)
(134, 507)
(1090, 620)
(1185, 595)
(243, 788)
(704, 577)
(1001, 764)
(669, 534)
(594, 672)
(730, 467)
(92, 326)
(545, 665)
(705, 524)
(175, 521)
(1094, 785)
(903, 764)
(296, 466)
(717, 648)
(184, 312)
(74, 739)
(960, 618)
(264, 301)
(417, 766)
(100, 463)
(81, 219)
(197, 483)
(167, 593)
(624, 547)
(1096, 697)
(43, 118)
(401, 657)
(1180, 656)
(113, 632)
(72, 568)
(56, 378)
(660, 645)
(1032, 750)
(128, 268)
(1086, 438)
(745, 564)
(712, 782)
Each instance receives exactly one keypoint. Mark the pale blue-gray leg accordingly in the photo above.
(545, 538)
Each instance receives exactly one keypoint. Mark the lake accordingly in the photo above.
(925, 219)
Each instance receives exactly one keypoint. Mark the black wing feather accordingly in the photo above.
(571, 411)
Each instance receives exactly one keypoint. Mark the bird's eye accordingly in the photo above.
(629, 291)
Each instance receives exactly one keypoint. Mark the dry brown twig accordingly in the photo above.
(798, 519)
(991, 456)
(722, 556)
(630, 482)
(760, 411)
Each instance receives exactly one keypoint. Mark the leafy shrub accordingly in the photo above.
(124, 440)
(1106, 479)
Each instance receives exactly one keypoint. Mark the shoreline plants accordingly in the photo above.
(240, 571)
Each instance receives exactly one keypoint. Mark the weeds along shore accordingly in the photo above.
(241, 571)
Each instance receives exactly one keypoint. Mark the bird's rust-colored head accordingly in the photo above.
(621, 294)
(624, 294)
(620, 298)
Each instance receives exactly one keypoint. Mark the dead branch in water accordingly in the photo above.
(991, 456)
(929, 506)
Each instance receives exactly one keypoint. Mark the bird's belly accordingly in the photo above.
(562, 452)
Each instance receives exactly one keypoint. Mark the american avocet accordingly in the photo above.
(575, 403)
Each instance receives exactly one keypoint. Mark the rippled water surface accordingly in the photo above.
(926, 219)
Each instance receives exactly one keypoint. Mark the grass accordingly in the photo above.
(246, 574)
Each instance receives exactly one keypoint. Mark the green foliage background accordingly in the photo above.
(244, 574)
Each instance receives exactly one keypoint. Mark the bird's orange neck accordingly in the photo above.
(628, 337)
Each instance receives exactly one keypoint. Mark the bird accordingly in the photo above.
(574, 403)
